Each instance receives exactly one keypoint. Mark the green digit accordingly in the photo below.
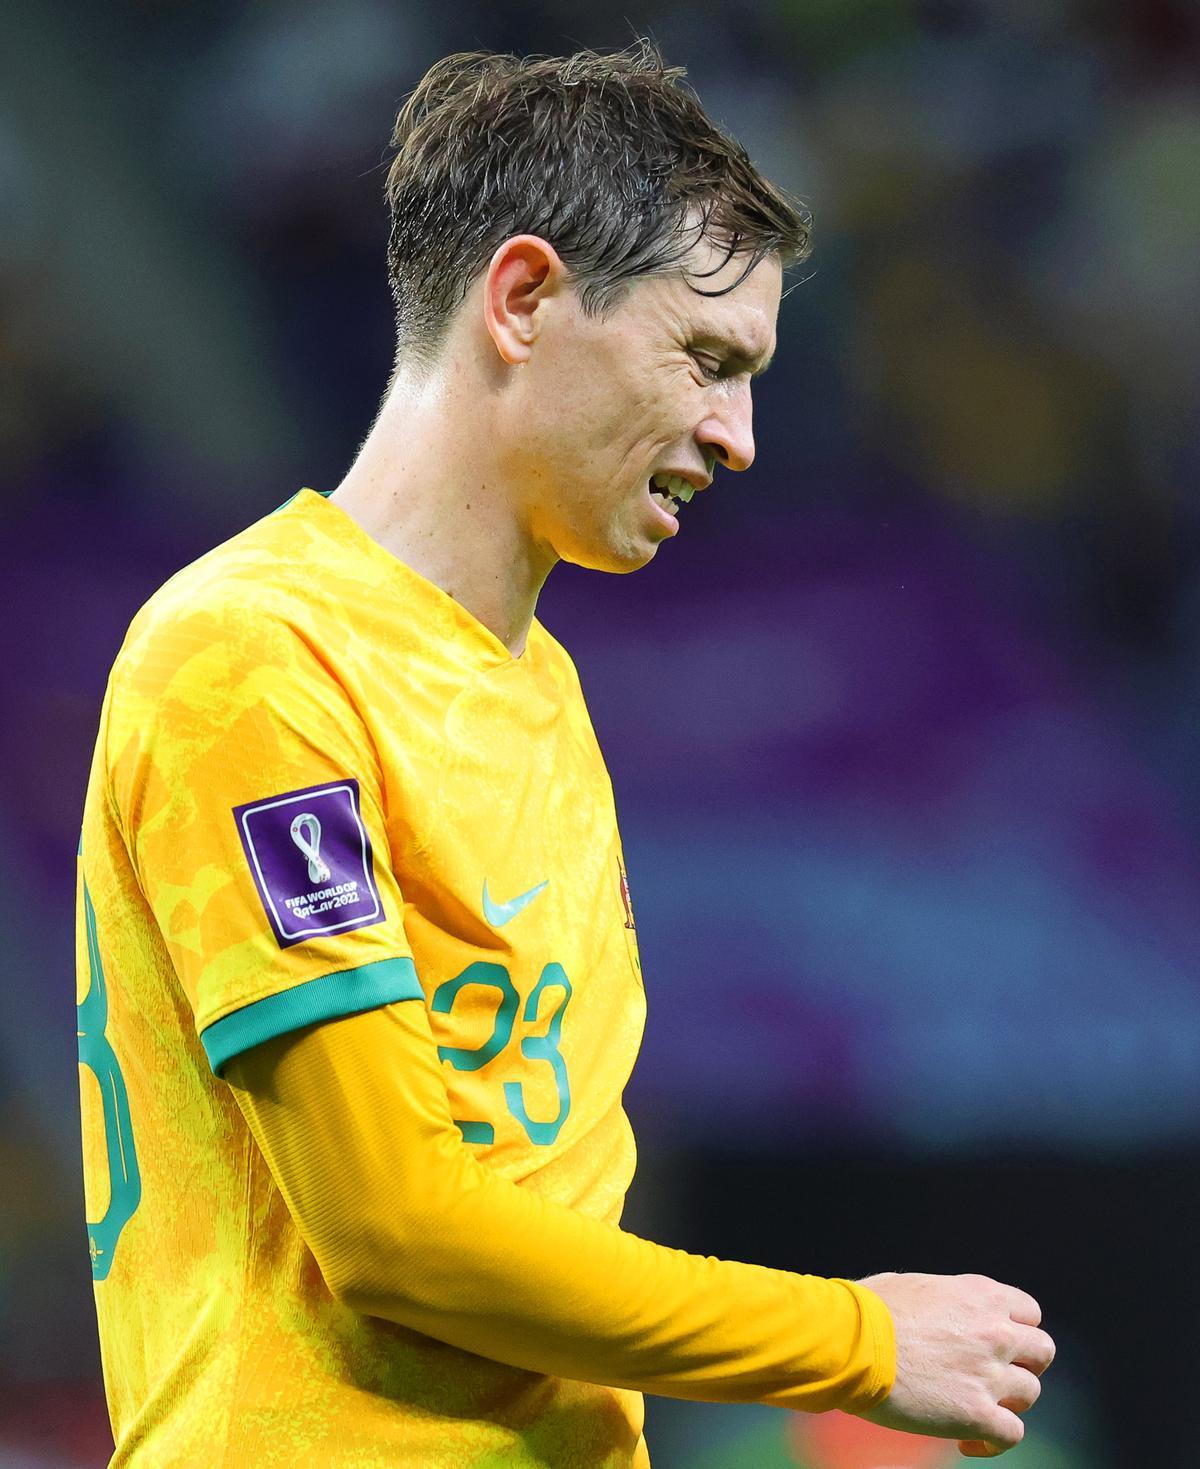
(97, 1054)
(533, 1047)
(466, 1058)
(544, 1048)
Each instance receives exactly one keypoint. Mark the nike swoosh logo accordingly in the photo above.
(498, 914)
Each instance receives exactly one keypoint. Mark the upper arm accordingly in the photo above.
(252, 804)
(353, 1119)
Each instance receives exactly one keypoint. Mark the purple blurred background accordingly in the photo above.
(903, 727)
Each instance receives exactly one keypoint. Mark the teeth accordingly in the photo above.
(674, 484)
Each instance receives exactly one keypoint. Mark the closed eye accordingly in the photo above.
(709, 367)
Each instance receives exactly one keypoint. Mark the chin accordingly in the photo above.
(618, 561)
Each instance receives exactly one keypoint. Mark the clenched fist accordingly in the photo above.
(969, 1352)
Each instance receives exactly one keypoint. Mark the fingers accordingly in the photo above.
(1022, 1390)
(1035, 1350)
(1008, 1433)
(1023, 1308)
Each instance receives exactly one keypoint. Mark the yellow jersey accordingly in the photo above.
(320, 786)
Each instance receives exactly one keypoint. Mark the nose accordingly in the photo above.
(727, 434)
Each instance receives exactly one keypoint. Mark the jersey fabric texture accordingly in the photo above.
(406, 1224)
(320, 787)
(293, 720)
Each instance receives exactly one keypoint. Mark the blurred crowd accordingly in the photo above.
(904, 733)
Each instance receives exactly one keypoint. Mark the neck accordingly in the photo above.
(427, 485)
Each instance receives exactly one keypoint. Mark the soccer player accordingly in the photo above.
(359, 986)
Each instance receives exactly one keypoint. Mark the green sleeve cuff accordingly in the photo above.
(326, 998)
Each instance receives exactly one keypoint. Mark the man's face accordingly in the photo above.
(660, 386)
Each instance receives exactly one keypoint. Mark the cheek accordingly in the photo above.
(610, 444)
(571, 419)
(596, 424)
(611, 415)
(609, 394)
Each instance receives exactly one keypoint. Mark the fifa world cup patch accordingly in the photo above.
(310, 857)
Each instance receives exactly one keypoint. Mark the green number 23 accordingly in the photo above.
(533, 1047)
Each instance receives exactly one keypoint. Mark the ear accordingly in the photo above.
(524, 276)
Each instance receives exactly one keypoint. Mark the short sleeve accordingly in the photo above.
(251, 801)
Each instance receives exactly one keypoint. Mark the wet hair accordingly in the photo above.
(608, 156)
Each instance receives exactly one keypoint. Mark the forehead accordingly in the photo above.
(746, 311)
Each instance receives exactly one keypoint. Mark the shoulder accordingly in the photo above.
(248, 606)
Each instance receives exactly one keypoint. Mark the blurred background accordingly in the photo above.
(904, 728)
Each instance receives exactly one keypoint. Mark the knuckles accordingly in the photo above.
(1024, 1396)
(1036, 1352)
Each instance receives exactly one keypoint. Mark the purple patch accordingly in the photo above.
(311, 859)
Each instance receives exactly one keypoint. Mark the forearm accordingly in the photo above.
(520, 1279)
(440, 1243)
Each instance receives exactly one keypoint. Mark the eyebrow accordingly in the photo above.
(733, 349)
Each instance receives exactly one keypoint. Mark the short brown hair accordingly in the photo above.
(607, 156)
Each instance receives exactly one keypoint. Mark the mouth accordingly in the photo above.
(668, 490)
